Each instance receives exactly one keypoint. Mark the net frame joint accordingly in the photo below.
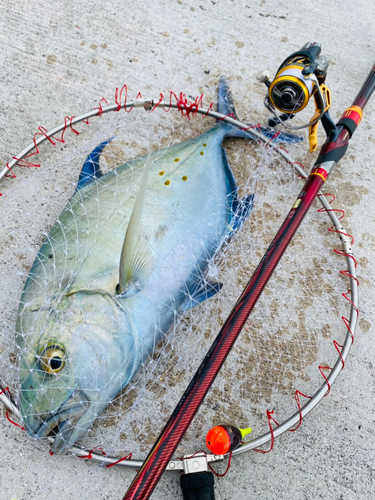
(191, 464)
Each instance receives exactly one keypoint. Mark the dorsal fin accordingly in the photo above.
(136, 260)
(91, 168)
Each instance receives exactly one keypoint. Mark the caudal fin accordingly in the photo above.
(225, 106)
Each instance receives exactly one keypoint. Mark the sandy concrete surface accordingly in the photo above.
(60, 57)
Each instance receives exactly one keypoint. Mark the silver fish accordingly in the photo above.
(128, 253)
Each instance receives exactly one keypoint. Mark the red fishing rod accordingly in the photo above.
(289, 92)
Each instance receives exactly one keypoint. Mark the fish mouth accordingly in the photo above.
(63, 425)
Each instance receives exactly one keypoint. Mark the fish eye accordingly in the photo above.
(56, 363)
(51, 359)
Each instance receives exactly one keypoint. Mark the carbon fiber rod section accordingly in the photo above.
(160, 455)
(367, 89)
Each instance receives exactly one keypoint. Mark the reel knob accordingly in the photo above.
(264, 77)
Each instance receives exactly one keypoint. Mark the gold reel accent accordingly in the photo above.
(319, 105)
(294, 97)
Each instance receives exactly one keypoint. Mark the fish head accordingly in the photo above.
(74, 355)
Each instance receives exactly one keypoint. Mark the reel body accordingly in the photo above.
(294, 81)
(299, 77)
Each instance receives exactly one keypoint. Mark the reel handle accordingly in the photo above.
(272, 122)
(264, 77)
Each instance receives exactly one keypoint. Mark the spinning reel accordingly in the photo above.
(299, 77)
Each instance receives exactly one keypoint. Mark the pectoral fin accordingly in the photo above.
(136, 262)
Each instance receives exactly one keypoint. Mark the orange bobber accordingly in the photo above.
(223, 439)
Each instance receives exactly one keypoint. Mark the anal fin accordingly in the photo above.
(242, 211)
(202, 291)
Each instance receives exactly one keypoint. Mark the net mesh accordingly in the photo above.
(289, 334)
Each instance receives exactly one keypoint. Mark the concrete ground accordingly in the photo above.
(60, 57)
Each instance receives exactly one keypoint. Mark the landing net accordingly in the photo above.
(295, 336)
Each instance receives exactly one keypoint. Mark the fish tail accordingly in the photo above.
(225, 106)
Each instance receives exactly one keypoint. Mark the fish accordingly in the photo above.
(128, 254)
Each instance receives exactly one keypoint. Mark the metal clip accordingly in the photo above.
(148, 104)
(194, 463)
(346, 240)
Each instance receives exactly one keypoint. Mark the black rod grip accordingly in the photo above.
(198, 486)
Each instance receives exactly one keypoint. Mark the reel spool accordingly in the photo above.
(299, 77)
(290, 91)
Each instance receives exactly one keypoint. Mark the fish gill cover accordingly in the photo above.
(152, 347)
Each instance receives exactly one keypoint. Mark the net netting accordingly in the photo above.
(289, 335)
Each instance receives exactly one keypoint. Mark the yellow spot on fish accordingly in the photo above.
(162, 172)
(184, 178)
(177, 159)
(204, 145)
(201, 153)
(167, 183)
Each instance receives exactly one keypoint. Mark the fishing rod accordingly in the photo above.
(288, 93)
